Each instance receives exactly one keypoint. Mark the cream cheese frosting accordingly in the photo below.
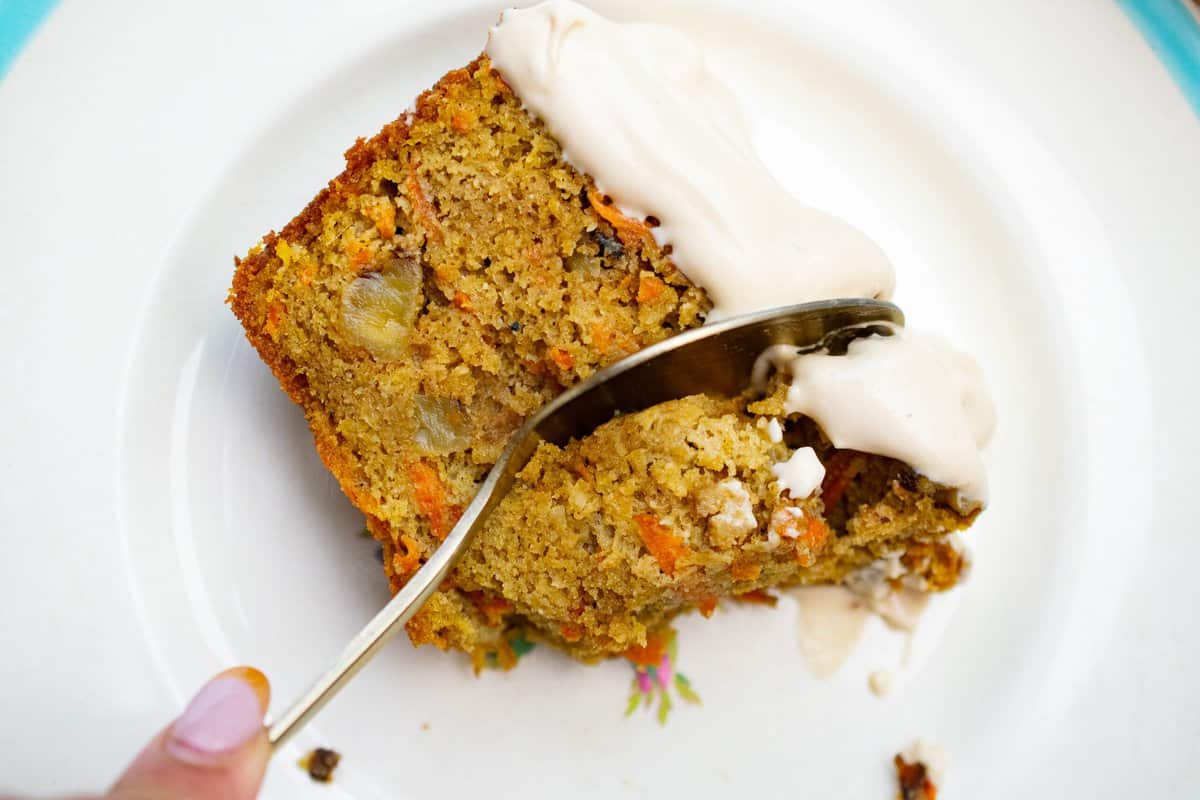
(801, 474)
(637, 107)
(911, 396)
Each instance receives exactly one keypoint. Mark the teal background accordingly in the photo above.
(18, 19)
(1174, 34)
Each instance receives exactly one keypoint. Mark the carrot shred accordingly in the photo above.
(461, 122)
(840, 469)
(407, 562)
(462, 301)
(758, 597)
(359, 255)
(421, 203)
(493, 607)
(571, 631)
(602, 336)
(562, 358)
(811, 541)
(308, 274)
(744, 570)
(706, 605)
(816, 534)
(274, 318)
(384, 217)
(651, 653)
(430, 495)
(666, 547)
(650, 288)
(629, 231)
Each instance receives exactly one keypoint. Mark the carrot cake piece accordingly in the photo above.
(582, 190)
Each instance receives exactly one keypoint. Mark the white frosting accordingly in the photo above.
(637, 108)
(774, 431)
(829, 626)
(801, 474)
(911, 396)
(898, 606)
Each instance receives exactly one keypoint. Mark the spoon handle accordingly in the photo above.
(401, 608)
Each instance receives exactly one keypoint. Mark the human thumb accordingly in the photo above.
(216, 749)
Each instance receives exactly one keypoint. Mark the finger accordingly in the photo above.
(216, 749)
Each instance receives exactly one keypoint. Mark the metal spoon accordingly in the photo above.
(713, 359)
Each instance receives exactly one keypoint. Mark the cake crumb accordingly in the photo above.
(918, 771)
(729, 509)
(881, 681)
(320, 764)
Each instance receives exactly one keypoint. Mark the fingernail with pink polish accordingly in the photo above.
(226, 714)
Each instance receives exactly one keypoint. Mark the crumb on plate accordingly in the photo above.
(913, 780)
(320, 763)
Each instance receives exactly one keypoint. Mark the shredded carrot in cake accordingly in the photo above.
(461, 122)
(602, 336)
(384, 217)
(492, 606)
(462, 301)
(840, 469)
(407, 562)
(274, 318)
(571, 631)
(666, 547)
(421, 204)
(430, 495)
(629, 231)
(651, 653)
(308, 274)
(359, 255)
(650, 288)
(811, 541)
(706, 605)
(562, 358)
(745, 570)
(580, 468)
(815, 534)
(758, 597)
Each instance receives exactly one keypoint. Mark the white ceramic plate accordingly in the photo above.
(1031, 170)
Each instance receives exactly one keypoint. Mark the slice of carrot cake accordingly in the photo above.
(580, 191)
